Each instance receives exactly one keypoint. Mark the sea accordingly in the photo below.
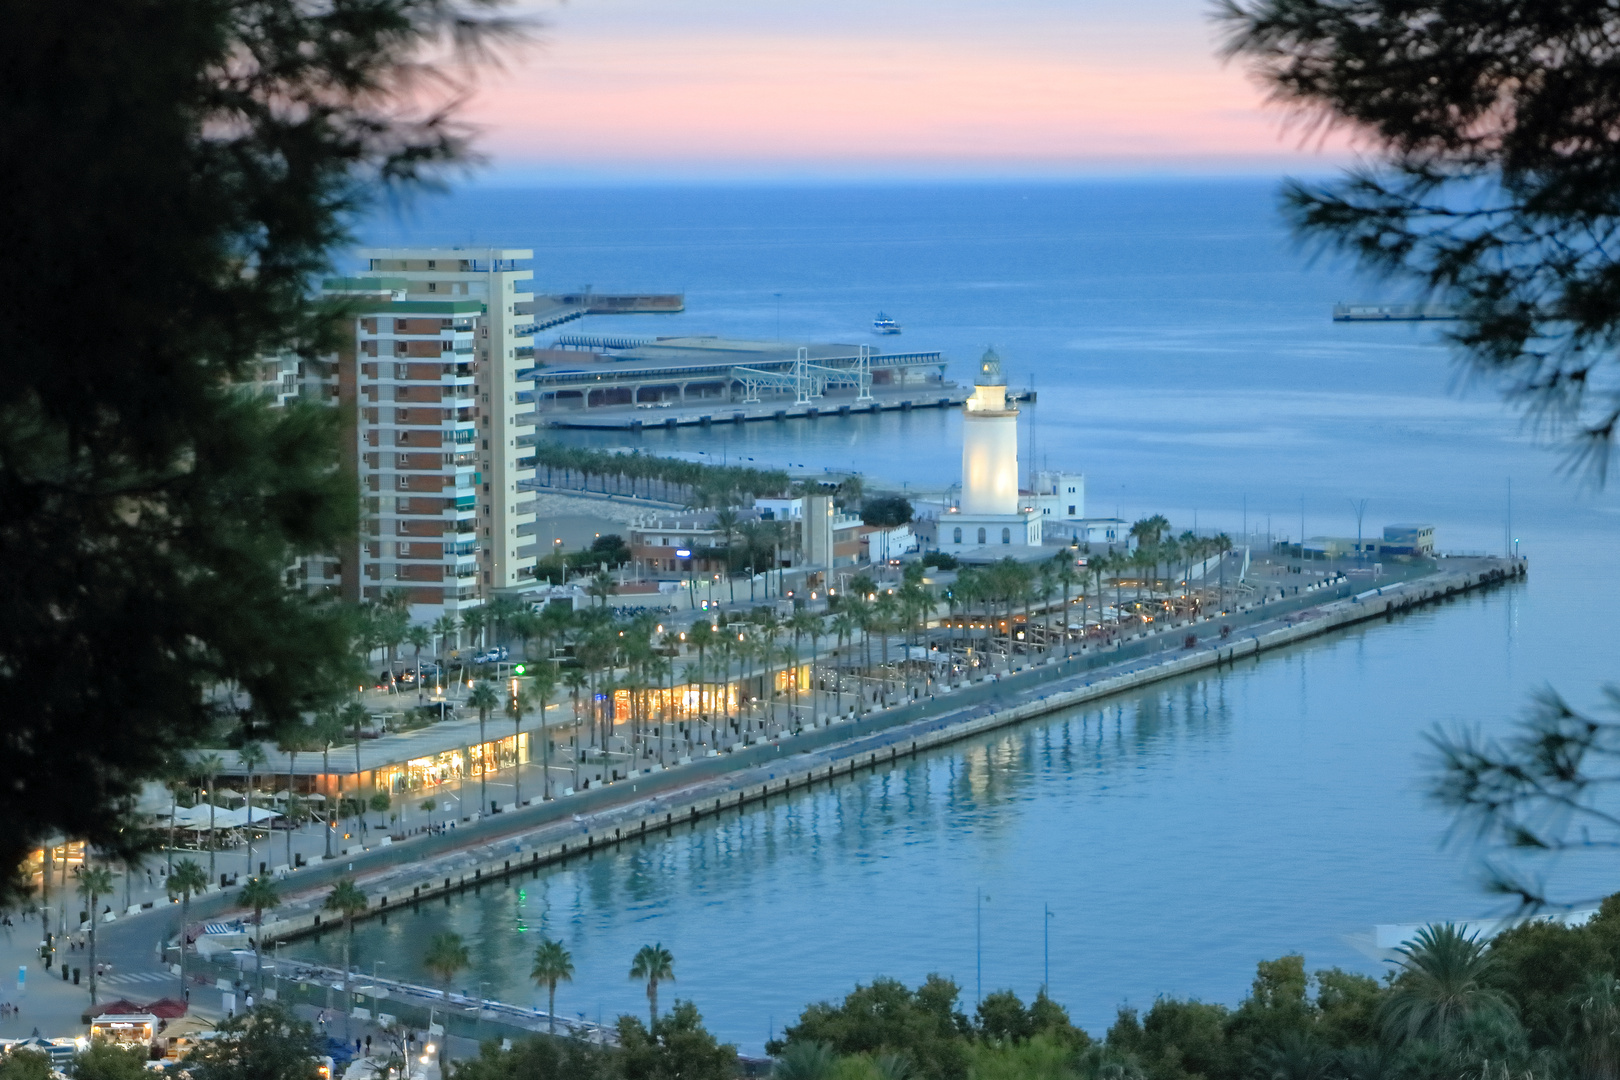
(1183, 356)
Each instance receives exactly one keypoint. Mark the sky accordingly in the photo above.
(904, 88)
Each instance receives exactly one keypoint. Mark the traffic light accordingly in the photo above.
(517, 669)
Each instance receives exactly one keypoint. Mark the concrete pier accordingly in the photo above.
(576, 826)
(717, 411)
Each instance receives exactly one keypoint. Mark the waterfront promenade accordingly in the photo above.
(536, 836)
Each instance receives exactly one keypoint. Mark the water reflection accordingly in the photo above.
(810, 863)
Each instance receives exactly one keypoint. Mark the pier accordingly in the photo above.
(528, 838)
(633, 383)
(1393, 313)
(707, 414)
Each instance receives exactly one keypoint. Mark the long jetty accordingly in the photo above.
(396, 876)
(579, 826)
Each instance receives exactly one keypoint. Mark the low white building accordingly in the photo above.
(1060, 495)
(883, 544)
(1104, 532)
(780, 509)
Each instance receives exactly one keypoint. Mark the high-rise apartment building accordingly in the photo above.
(492, 278)
(405, 378)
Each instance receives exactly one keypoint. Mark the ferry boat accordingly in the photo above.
(884, 325)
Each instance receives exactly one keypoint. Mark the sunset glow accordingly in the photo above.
(615, 87)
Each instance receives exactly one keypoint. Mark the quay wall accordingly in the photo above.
(521, 857)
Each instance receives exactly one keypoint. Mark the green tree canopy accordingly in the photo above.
(886, 510)
(268, 1043)
(886, 1016)
(102, 1060)
(25, 1065)
(194, 165)
(678, 1047)
(1495, 180)
(553, 1059)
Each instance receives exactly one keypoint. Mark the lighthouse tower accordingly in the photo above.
(990, 444)
(991, 514)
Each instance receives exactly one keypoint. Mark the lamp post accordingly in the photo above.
(275, 965)
(1360, 507)
(1046, 950)
(979, 900)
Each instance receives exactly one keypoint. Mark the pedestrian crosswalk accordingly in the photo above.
(138, 977)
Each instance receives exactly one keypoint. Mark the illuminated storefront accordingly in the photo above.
(449, 766)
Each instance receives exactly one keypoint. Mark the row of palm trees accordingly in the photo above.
(625, 660)
(616, 660)
(447, 954)
(667, 479)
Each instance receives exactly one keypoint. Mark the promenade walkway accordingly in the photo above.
(132, 943)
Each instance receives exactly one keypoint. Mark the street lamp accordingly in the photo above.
(374, 965)
(275, 965)
(1360, 507)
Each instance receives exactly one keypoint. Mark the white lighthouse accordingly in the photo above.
(991, 514)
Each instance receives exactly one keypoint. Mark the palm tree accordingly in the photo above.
(702, 635)
(327, 732)
(446, 955)
(653, 964)
(1596, 1005)
(545, 684)
(347, 900)
(552, 964)
(94, 883)
(1068, 578)
(843, 629)
(251, 756)
(445, 628)
(1295, 1056)
(1443, 981)
(474, 622)
(601, 587)
(485, 700)
(354, 714)
(574, 679)
(520, 701)
(292, 743)
(259, 894)
(418, 637)
(806, 1060)
(1142, 559)
(209, 766)
(186, 878)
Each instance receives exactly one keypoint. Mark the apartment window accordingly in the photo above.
(1071, 510)
(956, 535)
(981, 536)
(1006, 536)
(433, 286)
(433, 264)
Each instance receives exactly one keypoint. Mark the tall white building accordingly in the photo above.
(492, 278)
(992, 514)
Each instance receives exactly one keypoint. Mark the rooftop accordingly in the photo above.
(446, 253)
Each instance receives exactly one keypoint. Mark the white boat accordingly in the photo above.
(884, 325)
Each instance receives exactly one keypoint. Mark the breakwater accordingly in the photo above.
(671, 799)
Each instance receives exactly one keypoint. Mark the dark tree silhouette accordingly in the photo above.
(175, 180)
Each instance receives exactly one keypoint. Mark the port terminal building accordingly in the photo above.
(632, 382)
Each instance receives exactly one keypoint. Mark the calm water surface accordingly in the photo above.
(1185, 361)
